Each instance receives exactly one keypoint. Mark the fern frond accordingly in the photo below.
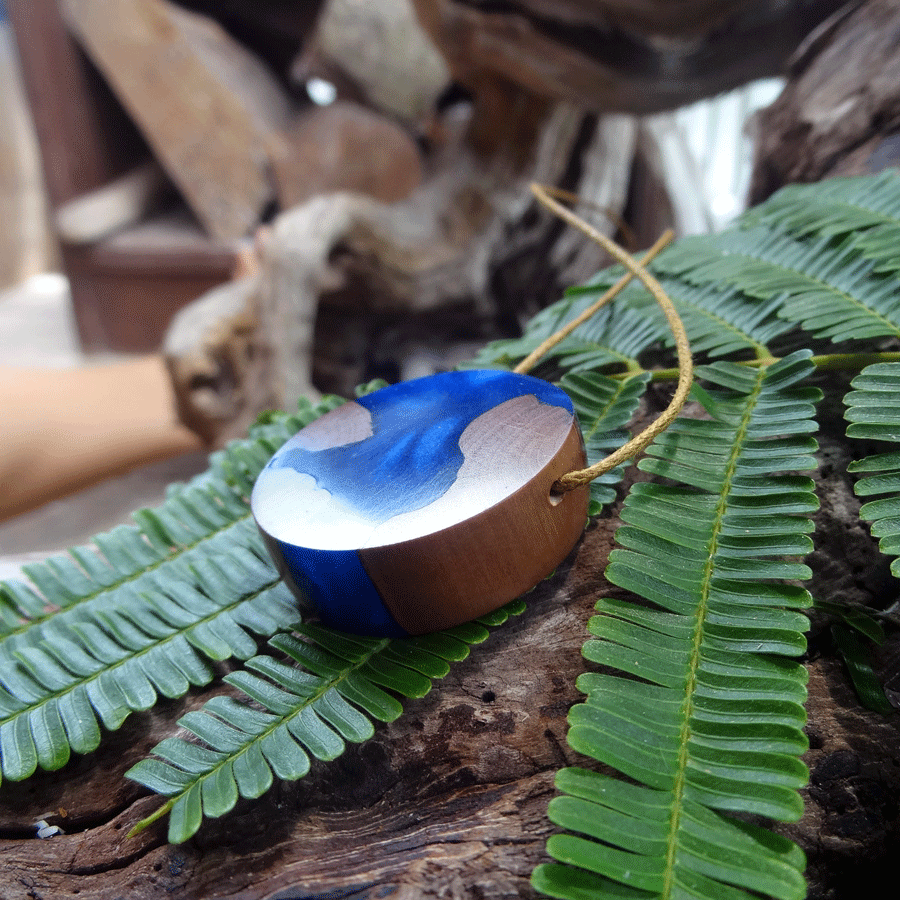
(831, 292)
(604, 407)
(864, 209)
(333, 688)
(718, 320)
(703, 711)
(102, 631)
(873, 410)
(616, 335)
(857, 656)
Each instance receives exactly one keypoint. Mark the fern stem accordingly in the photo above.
(254, 739)
(826, 362)
(696, 645)
(832, 362)
(153, 817)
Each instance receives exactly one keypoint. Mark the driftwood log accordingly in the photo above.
(450, 800)
(350, 288)
(836, 118)
(468, 250)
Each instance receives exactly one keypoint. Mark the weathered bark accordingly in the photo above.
(448, 801)
(105, 211)
(849, 830)
(612, 55)
(840, 113)
(25, 243)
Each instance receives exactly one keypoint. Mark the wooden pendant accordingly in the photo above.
(425, 504)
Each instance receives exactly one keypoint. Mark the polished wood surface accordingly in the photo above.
(465, 570)
(425, 504)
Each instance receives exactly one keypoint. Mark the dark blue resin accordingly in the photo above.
(413, 455)
(342, 591)
(411, 460)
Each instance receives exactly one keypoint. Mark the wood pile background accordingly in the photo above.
(438, 243)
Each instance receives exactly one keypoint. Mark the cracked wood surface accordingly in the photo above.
(840, 112)
(450, 800)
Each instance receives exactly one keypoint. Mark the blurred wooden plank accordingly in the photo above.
(85, 138)
(208, 107)
(127, 287)
(123, 202)
(124, 289)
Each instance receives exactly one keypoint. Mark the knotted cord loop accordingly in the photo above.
(635, 269)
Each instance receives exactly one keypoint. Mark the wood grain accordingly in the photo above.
(427, 503)
(469, 569)
(208, 107)
(449, 801)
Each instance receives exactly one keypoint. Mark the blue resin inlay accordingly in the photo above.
(336, 582)
(370, 475)
(413, 455)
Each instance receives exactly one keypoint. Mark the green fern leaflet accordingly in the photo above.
(695, 697)
(103, 631)
(709, 719)
(309, 710)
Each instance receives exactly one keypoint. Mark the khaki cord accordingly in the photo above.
(573, 480)
(558, 337)
(630, 239)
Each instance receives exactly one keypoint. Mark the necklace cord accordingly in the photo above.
(635, 269)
